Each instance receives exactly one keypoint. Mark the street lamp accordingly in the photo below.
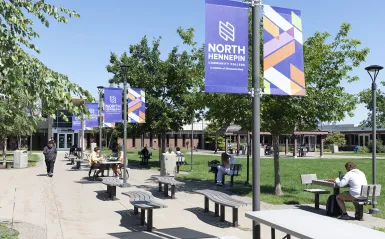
(124, 69)
(101, 91)
(373, 72)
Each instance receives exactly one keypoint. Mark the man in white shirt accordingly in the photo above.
(355, 179)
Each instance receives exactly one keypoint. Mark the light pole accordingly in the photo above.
(192, 142)
(373, 72)
(101, 91)
(125, 184)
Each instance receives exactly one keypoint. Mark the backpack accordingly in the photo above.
(332, 207)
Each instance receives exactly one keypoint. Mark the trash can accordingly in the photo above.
(334, 148)
(93, 145)
(168, 164)
(262, 151)
(356, 149)
(20, 159)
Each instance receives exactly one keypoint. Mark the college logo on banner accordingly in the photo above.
(112, 105)
(136, 105)
(283, 52)
(93, 121)
(76, 123)
(226, 49)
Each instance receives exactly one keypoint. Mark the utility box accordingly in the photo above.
(93, 145)
(20, 159)
(334, 148)
(168, 164)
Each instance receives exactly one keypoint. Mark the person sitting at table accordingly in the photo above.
(116, 167)
(95, 160)
(223, 168)
(355, 179)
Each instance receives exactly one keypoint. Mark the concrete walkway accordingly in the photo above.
(70, 206)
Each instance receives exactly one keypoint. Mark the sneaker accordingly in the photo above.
(51, 175)
(219, 184)
(344, 216)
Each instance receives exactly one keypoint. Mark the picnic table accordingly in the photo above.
(326, 183)
(303, 224)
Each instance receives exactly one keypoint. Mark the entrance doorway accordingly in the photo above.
(66, 140)
(310, 142)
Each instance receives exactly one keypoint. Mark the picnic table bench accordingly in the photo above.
(144, 201)
(234, 171)
(303, 224)
(223, 200)
(111, 183)
(168, 181)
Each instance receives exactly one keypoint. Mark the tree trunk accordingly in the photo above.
(4, 149)
(163, 143)
(277, 176)
(19, 142)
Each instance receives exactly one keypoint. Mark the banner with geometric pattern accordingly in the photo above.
(283, 52)
(136, 108)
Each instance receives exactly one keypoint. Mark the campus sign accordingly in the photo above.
(226, 49)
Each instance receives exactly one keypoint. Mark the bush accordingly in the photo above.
(335, 138)
(347, 148)
(7, 233)
(380, 148)
(363, 149)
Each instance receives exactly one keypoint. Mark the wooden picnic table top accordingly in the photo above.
(303, 224)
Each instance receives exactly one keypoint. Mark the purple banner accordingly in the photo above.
(76, 123)
(93, 121)
(112, 105)
(226, 49)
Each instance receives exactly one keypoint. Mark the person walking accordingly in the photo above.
(50, 153)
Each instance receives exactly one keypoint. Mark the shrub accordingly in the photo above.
(363, 149)
(380, 148)
(335, 138)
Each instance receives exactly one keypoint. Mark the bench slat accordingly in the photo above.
(222, 198)
(169, 180)
(144, 200)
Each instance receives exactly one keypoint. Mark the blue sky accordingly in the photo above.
(81, 48)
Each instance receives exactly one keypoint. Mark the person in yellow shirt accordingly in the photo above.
(95, 160)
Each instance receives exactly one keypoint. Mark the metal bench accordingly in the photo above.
(111, 183)
(168, 181)
(234, 171)
(367, 197)
(144, 201)
(224, 200)
(307, 179)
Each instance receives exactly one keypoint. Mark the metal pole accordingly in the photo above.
(248, 160)
(256, 94)
(30, 145)
(125, 184)
(100, 88)
(82, 137)
(374, 210)
(192, 141)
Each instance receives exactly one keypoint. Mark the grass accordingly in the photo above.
(381, 229)
(7, 233)
(32, 159)
(349, 153)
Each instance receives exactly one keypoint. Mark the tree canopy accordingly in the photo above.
(173, 85)
(365, 97)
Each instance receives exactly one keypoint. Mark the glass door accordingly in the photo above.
(61, 141)
(69, 140)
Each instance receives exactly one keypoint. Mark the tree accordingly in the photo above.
(21, 73)
(335, 138)
(365, 97)
(172, 85)
(327, 65)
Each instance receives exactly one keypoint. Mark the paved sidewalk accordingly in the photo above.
(70, 206)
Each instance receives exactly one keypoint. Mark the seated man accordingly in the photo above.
(355, 179)
(94, 161)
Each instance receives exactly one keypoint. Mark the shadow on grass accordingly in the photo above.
(266, 189)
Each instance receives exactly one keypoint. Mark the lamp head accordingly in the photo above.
(374, 68)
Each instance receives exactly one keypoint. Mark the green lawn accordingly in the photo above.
(291, 169)
(7, 233)
(32, 159)
(348, 153)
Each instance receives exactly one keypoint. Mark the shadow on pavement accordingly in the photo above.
(42, 175)
(208, 217)
(132, 223)
(103, 195)
(89, 180)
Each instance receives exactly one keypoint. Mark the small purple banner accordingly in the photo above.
(93, 121)
(76, 123)
(226, 47)
(112, 105)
